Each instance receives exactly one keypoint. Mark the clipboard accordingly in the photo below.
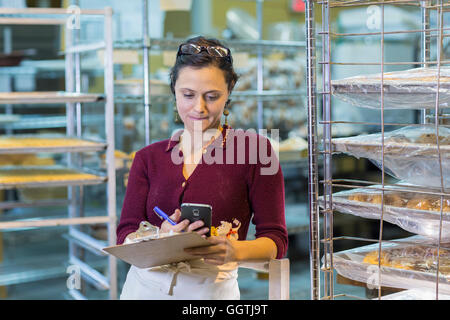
(157, 252)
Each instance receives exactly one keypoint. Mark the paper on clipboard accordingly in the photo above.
(157, 252)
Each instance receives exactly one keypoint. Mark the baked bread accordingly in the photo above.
(430, 138)
(360, 197)
(30, 142)
(394, 200)
(413, 257)
(398, 138)
(419, 203)
(403, 200)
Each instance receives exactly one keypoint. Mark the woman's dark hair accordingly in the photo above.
(203, 59)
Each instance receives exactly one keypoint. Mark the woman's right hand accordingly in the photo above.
(183, 225)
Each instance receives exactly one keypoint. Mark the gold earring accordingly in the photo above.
(226, 112)
(176, 116)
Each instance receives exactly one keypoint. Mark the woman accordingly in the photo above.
(219, 169)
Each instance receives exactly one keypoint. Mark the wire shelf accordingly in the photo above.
(47, 97)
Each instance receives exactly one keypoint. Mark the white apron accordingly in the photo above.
(193, 280)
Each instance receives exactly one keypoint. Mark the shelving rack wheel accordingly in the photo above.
(430, 37)
(73, 99)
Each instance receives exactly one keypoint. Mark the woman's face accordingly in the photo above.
(201, 94)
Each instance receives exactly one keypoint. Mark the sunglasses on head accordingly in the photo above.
(213, 51)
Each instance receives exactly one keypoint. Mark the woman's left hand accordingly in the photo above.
(220, 252)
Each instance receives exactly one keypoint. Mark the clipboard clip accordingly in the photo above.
(146, 231)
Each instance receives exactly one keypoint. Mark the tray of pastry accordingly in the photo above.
(409, 89)
(406, 263)
(14, 144)
(414, 209)
(45, 176)
(40, 97)
(410, 153)
(412, 140)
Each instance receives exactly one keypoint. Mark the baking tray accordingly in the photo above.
(418, 221)
(93, 178)
(414, 162)
(409, 89)
(350, 264)
(89, 145)
(44, 97)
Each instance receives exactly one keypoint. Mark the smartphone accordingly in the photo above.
(197, 211)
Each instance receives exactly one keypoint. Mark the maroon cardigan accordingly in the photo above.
(235, 191)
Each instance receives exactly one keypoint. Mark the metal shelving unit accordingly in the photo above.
(73, 99)
(326, 265)
(259, 47)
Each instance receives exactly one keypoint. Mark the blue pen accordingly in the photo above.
(162, 215)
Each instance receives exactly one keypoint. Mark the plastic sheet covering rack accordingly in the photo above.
(66, 158)
(410, 89)
(417, 154)
(411, 153)
(414, 212)
(409, 265)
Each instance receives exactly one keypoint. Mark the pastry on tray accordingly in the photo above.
(35, 175)
(25, 160)
(32, 142)
(403, 200)
(412, 257)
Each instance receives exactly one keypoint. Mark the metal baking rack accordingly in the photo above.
(324, 261)
(73, 99)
